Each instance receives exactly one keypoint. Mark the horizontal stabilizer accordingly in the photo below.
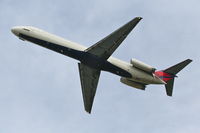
(178, 67)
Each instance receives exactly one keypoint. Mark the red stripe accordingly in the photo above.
(164, 76)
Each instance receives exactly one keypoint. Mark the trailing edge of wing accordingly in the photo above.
(105, 47)
(89, 80)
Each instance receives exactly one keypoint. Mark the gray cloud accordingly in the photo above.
(40, 90)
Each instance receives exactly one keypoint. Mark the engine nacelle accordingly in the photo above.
(132, 83)
(142, 66)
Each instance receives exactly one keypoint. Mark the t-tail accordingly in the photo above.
(169, 74)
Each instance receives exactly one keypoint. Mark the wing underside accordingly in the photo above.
(105, 47)
(89, 80)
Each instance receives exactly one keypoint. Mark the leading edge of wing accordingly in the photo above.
(105, 47)
(89, 80)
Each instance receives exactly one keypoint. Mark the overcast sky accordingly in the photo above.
(40, 90)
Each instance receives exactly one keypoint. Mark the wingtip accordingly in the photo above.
(89, 112)
(135, 20)
(169, 95)
(139, 18)
(190, 60)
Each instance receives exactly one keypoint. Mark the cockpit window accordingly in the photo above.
(26, 29)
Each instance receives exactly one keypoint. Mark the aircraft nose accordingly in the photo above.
(15, 30)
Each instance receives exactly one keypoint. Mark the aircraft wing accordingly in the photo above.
(105, 47)
(89, 80)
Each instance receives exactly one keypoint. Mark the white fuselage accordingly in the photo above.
(35, 33)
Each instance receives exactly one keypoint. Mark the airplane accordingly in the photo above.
(98, 58)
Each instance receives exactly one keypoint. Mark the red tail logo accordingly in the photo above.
(164, 76)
